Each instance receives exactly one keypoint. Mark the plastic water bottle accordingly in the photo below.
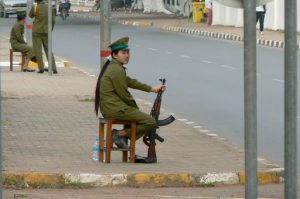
(96, 149)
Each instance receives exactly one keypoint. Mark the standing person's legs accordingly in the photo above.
(209, 16)
(261, 21)
(37, 49)
(45, 45)
(132, 5)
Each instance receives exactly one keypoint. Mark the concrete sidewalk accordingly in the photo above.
(175, 23)
(49, 126)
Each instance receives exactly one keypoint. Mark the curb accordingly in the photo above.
(224, 36)
(83, 180)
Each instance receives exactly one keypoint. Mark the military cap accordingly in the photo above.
(21, 13)
(120, 44)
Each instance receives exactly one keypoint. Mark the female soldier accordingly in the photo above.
(113, 97)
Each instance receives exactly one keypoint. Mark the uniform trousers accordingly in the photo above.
(40, 40)
(144, 121)
(24, 49)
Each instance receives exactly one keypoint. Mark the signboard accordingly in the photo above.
(239, 3)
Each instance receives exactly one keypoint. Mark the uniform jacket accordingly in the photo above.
(114, 94)
(17, 34)
(39, 12)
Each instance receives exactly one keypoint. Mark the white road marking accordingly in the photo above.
(186, 56)
(182, 119)
(206, 61)
(212, 135)
(153, 49)
(190, 122)
(197, 127)
(92, 75)
(204, 131)
(278, 80)
(169, 53)
(228, 67)
(148, 103)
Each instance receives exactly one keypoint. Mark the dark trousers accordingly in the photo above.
(260, 16)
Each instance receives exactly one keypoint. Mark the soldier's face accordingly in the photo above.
(122, 56)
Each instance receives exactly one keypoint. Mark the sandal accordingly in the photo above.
(28, 70)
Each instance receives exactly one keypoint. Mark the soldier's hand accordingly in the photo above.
(156, 89)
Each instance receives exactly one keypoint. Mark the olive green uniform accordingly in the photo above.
(40, 32)
(118, 103)
(17, 40)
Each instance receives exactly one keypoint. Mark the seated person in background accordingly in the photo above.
(18, 43)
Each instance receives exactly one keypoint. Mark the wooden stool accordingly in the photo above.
(107, 150)
(11, 59)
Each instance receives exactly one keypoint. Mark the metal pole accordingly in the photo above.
(50, 72)
(28, 29)
(105, 29)
(290, 99)
(1, 165)
(250, 99)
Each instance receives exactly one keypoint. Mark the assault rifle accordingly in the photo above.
(150, 138)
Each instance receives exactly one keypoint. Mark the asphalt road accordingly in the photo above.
(204, 77)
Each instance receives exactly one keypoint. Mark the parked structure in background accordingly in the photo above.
(234, 16)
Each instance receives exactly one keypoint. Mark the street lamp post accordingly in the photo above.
(50, 72)
(105, 29)
(290, 99)
(250, 99)
(28, 29)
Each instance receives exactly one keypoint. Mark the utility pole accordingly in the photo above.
(290, 99)
(50, 72)
(28, 24)
(105, 29)
(1, 151)
(250, 99)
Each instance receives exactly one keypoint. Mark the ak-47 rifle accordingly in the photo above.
(150, 138)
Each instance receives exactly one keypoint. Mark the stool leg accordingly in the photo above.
(132, 142)
(101, 141)
(108, 140)
(11, 60)
(23, 61)
(125, 153)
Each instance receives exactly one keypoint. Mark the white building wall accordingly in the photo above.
(274, 19)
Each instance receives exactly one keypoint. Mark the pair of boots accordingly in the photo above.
(119, 140)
